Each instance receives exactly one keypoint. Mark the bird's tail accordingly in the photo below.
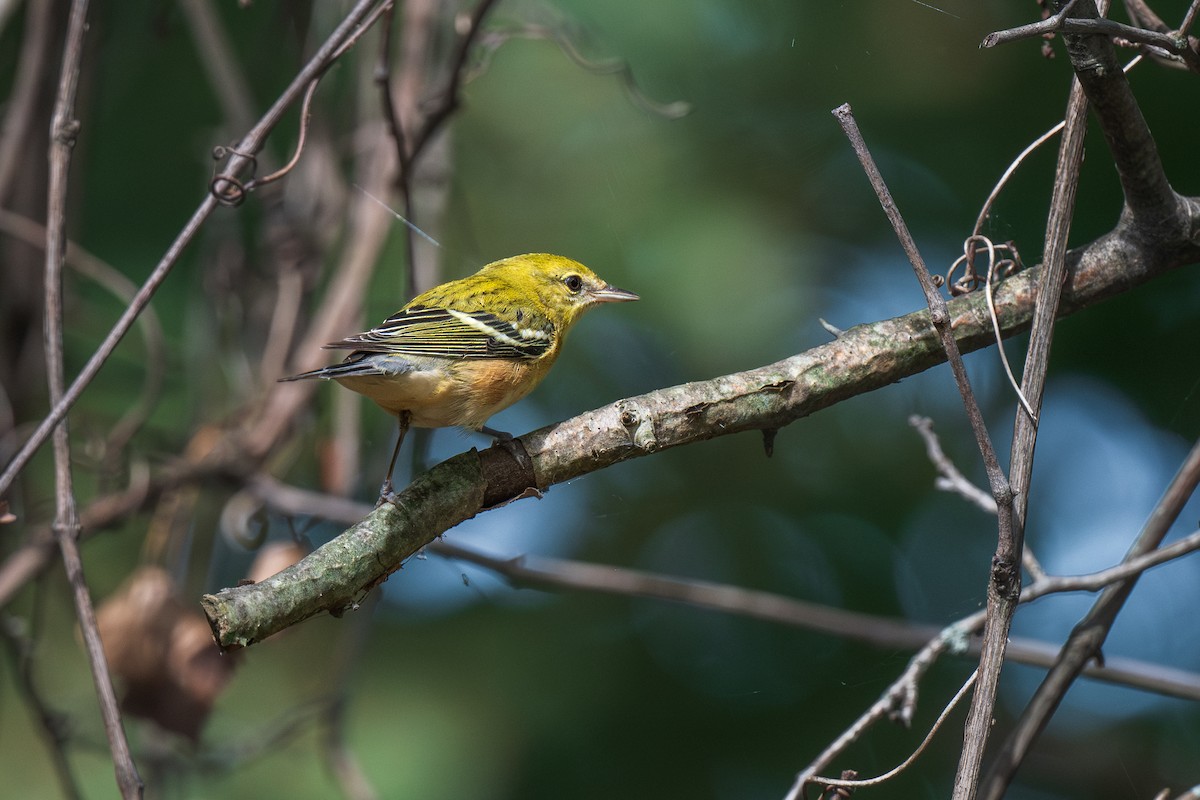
(341, 370)
(358, 365)
(315, 373)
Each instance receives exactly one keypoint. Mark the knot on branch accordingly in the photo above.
(67, 132)
(639, 425)
(1006, 579)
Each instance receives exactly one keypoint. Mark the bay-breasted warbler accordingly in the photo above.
(464, 350)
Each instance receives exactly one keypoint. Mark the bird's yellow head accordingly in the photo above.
(563, 289)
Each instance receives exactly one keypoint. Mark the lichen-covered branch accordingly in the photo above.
(335, 577)
(864, 358)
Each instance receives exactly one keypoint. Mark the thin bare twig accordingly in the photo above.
(233, 192)
(900, 692)
(1006, 576)
(933, 729)
(1008, 173)
(21, 105)
(450, 99)
(950, 480)
(1190, 17)
(1131, 567)
(310, 91)
(405, 113)
(301, 138)
(989, 295)
(1004, 581)
(64, 129)
(1177, 46)
(939, 314)
(383, 77)
(551, 573)
(1040, 28)
(544, 572)
(1088, 637)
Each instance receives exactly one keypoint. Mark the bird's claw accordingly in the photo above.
(387, 493)
(514, 448)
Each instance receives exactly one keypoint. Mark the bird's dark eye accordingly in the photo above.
(574, 283)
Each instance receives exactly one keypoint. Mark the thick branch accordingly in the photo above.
(336, 576)
(864, 358)
(1149, 198)
(1159, 36)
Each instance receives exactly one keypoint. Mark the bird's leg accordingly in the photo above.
(403, 418)
(499, 436)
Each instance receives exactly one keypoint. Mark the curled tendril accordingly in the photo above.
(971, 279)
(997, 270)
(229, 190)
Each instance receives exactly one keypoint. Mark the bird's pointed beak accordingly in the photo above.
(611, 294)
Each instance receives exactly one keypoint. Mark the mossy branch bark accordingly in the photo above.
(334, 577)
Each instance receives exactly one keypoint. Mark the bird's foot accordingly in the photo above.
(509, 443)
(387, 492)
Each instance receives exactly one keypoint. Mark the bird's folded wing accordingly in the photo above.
(447, 333)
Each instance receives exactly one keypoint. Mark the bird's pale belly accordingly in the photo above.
(464, 393)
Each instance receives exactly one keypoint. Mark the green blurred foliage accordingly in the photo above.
(739, 225)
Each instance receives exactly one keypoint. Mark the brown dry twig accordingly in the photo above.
(950, 479)
(64, 128)
(450, 97)
(1086, 640)
(1162, 43)
(1153, 209)
(1004, 585)
(230, 190)
(857, 783)
(901, 691)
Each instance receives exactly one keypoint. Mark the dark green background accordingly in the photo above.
(739, 225)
